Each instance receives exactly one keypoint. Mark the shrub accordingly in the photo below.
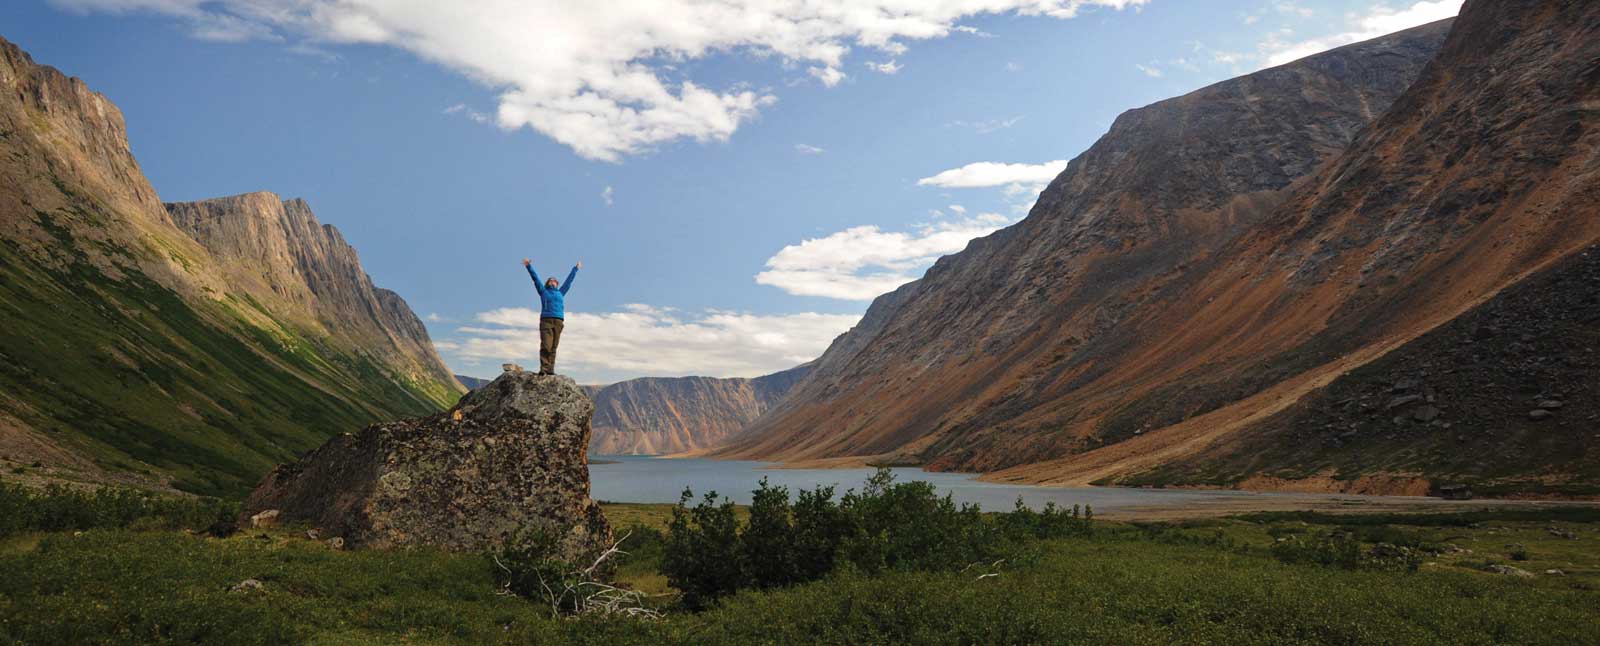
(1333, 549)
(702, 556)
(1343, 549)
(58, 508)
(885, 526)
(819, 528)
(766, 546)
(531, 567)
(907, 526)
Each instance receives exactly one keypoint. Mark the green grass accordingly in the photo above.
(59, 508)
(1210, 581)
(118, 586)
(139, 379)
(654, 515)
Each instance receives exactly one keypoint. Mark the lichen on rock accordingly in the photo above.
(508, 459)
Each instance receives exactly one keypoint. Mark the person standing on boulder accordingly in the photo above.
(552, 314)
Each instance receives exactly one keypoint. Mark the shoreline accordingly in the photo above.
(1227, 501)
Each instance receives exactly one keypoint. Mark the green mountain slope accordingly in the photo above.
(127, 353)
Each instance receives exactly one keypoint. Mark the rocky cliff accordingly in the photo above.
(654, 415)
(277, 252)
(1143, 318)
(133, 352)
(976, 365)
(509, 459)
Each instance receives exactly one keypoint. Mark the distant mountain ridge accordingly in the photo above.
(194, 348)
(661, 415)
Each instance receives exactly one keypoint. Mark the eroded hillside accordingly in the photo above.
(131, 351)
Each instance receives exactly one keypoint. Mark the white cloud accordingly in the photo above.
(957, 209)
(830, 76)
(1378, 21)
(886, 67)
(988, 125)
(1294, 9)
(648, 341)
(607, 196)
(464, 110)
(1227, 58)
(808, 149)
(1149, 70)
(987, 174)
(1013, 66)
(433, 317)
(598, 76)
(862, 262)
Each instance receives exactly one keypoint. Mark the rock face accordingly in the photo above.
(654, 416)
(513, 460)
(1506, 396)
(983, 362)
(279, 253)
(1194, 274)
(137, 351)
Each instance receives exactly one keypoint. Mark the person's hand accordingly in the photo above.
(580, 264)
(525, 262)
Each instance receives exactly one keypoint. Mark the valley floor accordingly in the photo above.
(1196, 581)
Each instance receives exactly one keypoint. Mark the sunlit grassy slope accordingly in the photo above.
(132, 376)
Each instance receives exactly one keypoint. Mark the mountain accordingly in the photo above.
(1216, 257)
(187, 345)
(472, 383)
(981, 363)
(656, 415)
(276, 252)
(1510, 388)
(1472, 196)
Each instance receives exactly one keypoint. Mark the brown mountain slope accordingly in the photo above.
(1006, 353)
(1486, 172)
(1505, 397)
(654, 416)
(129, 351)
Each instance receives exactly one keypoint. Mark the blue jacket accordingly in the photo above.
(552, 302)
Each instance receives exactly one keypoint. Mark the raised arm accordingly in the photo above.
(537, 284)
(570, 275)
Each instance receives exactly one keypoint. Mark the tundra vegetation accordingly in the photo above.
(888, 563)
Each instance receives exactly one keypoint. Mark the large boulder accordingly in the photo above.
(510, 458)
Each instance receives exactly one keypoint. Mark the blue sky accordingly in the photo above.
(738, 179)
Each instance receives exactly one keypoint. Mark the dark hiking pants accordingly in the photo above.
(549, 339)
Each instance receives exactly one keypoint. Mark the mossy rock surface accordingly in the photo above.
(510, 458)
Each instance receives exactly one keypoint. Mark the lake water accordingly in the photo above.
(633, 478)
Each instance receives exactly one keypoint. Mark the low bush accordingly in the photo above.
(886, 526)
(58, 508)
(532, 567)
(1344, 549)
